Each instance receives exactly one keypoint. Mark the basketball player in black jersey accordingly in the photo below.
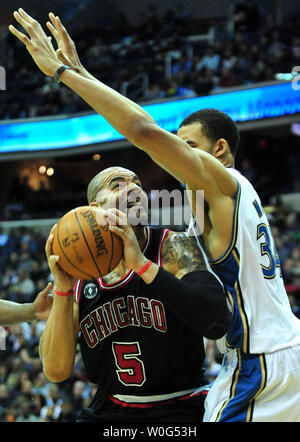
(141, 337)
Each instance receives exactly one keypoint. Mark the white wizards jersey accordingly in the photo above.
(263, 321)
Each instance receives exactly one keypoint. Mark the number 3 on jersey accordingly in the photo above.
(266, 250)
(131, 371)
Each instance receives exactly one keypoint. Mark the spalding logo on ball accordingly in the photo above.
(86, 247)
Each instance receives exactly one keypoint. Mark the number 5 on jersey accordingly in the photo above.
(131, 371)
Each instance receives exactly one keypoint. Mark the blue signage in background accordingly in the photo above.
(242, 105)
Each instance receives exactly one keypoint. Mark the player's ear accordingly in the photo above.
(220, 148)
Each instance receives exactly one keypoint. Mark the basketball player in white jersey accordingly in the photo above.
(260, 377)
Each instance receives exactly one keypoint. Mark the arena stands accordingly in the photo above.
(247, 47)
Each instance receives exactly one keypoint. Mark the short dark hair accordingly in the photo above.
(216, 125)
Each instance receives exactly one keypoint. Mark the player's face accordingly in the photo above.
(193, 135)
(122, 189)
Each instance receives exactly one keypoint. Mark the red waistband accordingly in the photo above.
(157, 403)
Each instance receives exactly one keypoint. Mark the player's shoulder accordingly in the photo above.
(182, 249)
(178, 238)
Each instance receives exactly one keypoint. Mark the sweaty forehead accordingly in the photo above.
(118, 173)
(191, 132)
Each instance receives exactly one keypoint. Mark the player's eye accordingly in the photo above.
(115, 185)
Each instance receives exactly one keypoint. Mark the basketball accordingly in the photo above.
(86, 247)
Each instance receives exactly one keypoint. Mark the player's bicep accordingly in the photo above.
(171, 153)
(216, 178)
(197, 169)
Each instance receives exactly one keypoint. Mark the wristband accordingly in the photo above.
(59, 293)
(144, 268)
(59, 72)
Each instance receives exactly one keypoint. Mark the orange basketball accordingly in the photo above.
(86, 247)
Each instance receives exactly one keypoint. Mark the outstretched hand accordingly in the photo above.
(43, 303)
(66, 51)
(38, 45)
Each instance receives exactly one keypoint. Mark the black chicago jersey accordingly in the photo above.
(131, 343)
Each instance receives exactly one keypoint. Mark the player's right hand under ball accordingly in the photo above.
(62, 280)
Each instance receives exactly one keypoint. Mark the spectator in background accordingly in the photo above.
(24, 286)
(183, 65)
(210, 60)
(227, 78)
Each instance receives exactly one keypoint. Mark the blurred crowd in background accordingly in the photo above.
(247, 47)
(25, 393)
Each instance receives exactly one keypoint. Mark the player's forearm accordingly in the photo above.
(135, 124)
(124, 115)
(12, 313)
(57, 345)
(198, 300)
(84, 73)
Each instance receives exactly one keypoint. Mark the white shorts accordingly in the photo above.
(256, 388)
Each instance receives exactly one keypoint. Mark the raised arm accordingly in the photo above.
(59, 339)
(197, 169)
(128, 118)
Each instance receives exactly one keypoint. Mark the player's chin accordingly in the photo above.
(137, 215)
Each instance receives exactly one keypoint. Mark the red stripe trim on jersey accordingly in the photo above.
(116, 285)
(131, 273)
(77, 290)
(163, 236)
(157, 403)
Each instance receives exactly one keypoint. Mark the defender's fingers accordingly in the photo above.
(22, 37)
(26, 25)
(62, 30)
(52, 30)
(27, 17)
(52, 18)
(30, 25)
(45, 292)
(59, 25)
